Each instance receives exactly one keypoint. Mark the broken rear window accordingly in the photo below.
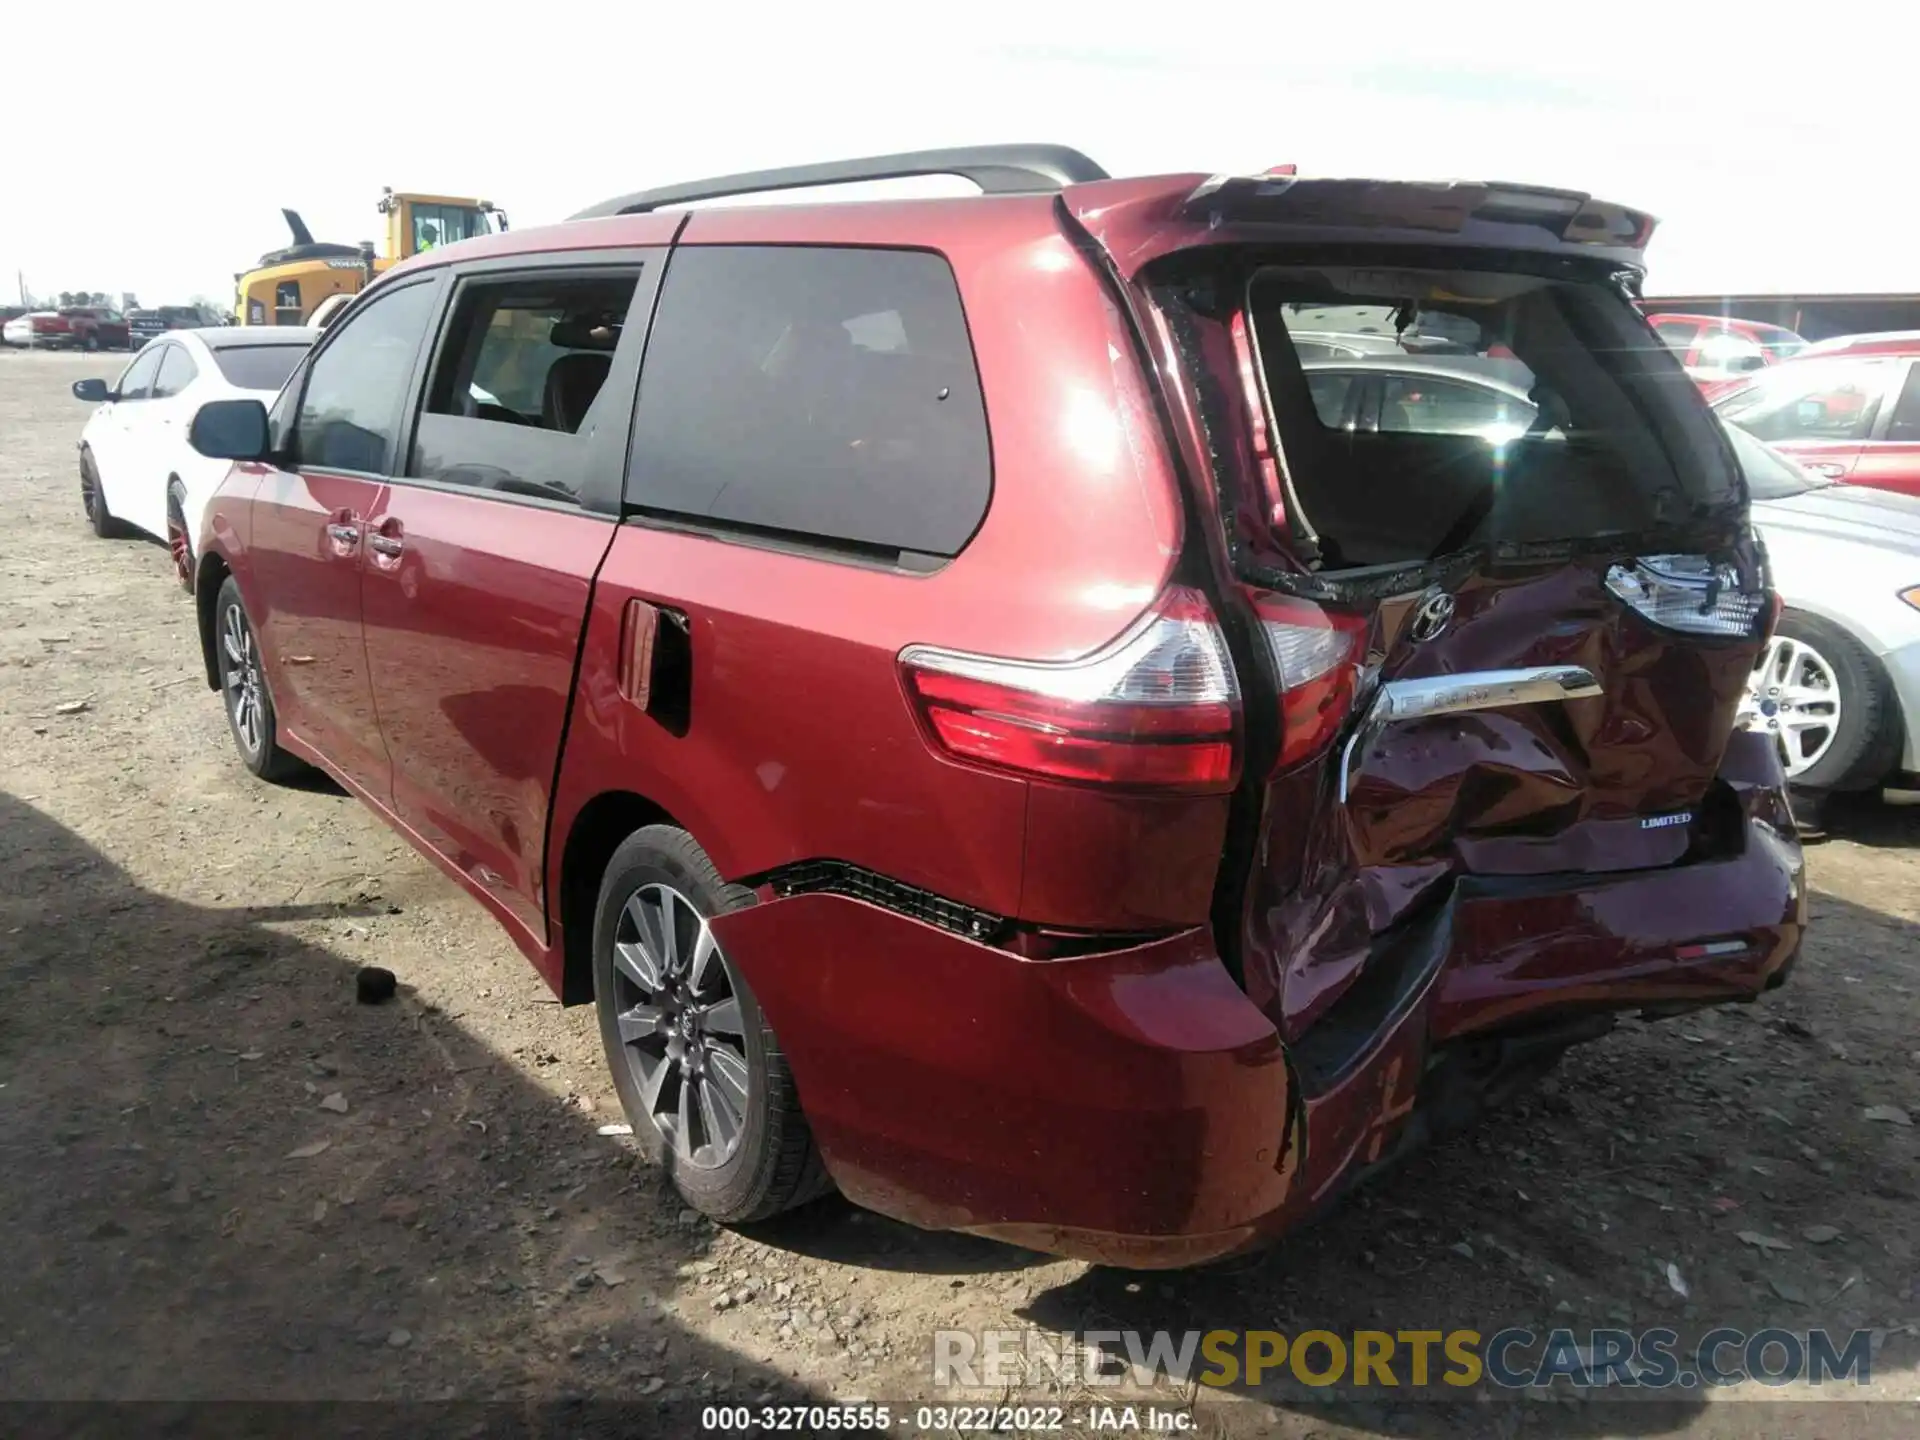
(1473, 407)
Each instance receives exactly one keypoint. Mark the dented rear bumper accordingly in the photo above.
(1135, 1108)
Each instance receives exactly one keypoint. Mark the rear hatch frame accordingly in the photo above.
(1150, 234)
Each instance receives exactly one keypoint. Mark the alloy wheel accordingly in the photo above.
(89, 493)
(240, 677)
(681, 1029)
(1793, 696)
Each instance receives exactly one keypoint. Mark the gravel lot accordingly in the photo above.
(188, 1212)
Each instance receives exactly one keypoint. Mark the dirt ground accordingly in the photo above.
(221, 1178)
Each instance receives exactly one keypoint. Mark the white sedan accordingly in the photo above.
(1838, 686)
(136, 468)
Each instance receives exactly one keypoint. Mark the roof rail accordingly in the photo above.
(996, 169)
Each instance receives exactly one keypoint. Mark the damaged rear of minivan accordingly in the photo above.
(1492, 596)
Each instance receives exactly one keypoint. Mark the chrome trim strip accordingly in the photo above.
(1432, 695)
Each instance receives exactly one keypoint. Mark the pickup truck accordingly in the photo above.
(144, 325)
(79, 327)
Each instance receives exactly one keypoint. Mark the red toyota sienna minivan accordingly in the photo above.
(990, 731)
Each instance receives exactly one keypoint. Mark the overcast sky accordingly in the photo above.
(1778, 157)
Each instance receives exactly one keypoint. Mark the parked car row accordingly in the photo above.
(1838, 686)
(949, 811)
(76, 327)
(94, 327)
(1847, 561)
(1718, 351)
(1848, 415)
(137, 469)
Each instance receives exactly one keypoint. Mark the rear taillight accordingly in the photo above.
(1158, 708)
(1316, 658)
(1688, 593)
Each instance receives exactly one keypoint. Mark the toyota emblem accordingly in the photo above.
(1433, 616)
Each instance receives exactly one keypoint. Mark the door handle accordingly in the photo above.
(387, 539)
(1460, 695)
(343, 534)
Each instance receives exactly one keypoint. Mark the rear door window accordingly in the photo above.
(1677, 335)
(177, 371)
(356, 390)
(137, 379)
(1904, 427)
(1728, 352)
(823, 393)
(1820, 400)
(520, 383)
(1332, 392)
(1417, 403)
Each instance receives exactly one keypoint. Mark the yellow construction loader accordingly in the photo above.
(289, 284)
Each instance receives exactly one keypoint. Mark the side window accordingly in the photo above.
(286, 302)
(356, 387)
(177, 371)
(1419, 405)
(1904, 427)
(1330, 390)
(1678, 336)
(1825, 401)
(517, 386)
(1731, 352)
(137, 379)
(830, 393)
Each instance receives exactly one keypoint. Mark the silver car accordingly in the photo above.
(1838, 685)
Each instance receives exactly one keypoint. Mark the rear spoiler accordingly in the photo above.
(1141, 220)
(1571, 217)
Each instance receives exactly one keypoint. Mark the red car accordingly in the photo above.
(1847, 414)
(926, 672)
(1879, 342)
(1719, 352)
(80, 327)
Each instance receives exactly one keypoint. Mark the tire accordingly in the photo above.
(93, 500)
(740, 1149)
(179, 542)
(243, 690)
(1812, 671)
